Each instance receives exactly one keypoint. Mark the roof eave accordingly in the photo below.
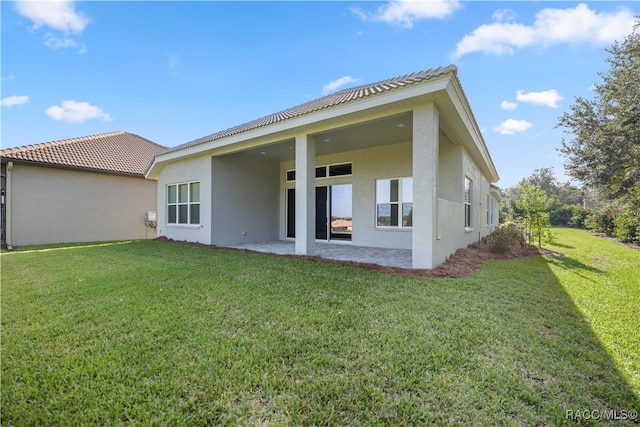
(295, 124)
(70, 167)
(474, 141)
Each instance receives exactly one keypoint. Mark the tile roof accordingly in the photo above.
(120, 153)
(338, 98)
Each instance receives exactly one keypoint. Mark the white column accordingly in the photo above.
(305, 195)
(8, 207)
(425, 177)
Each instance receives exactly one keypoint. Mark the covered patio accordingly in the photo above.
(396, 168)
(342, 252)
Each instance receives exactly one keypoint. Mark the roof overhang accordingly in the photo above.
(69, 167)
(496, 192)
(444, 91)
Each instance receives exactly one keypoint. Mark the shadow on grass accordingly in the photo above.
(592, 387)
(252, 339)
(569, 263)
(562, 245)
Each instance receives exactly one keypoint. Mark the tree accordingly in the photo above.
(564, 199)
(563, 193)
(605, 150)
(533, 204)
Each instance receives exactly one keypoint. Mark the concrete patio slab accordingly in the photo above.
(343, 252)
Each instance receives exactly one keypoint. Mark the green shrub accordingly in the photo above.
(627, 226)
(578, 216)
(505, 236)
(567, 215)
(559, 214)
(602, 220)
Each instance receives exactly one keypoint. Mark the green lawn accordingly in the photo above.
(154, 333)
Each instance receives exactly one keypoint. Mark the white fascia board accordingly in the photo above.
(478, 145)
(290, 127)
(153, 171)
(494, 191)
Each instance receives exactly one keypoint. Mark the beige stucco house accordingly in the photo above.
(401, 161)
(77, 190)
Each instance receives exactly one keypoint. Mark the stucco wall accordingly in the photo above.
(480, 189)
(249, 197)
(451, 233)
(194, 169)
(450, 174)
(245, 199)
(389, 161)
(60, 206)
(456, 164)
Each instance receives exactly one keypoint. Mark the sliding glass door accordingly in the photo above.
(333, 212)
(341, 212)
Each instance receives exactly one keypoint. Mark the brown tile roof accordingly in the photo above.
(120, 153)
(338, 98)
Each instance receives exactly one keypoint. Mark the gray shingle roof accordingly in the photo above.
(120, 153)
(338, 98)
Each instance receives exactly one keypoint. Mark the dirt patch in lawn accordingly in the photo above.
(460, 264)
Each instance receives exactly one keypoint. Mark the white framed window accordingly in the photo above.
(326, 171)
(494, 212)
(183, 203)
(489, 206)
(394, 203)
(468, 188)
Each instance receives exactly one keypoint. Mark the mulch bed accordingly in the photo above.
(461, 264)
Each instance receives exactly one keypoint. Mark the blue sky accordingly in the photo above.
(176, 71)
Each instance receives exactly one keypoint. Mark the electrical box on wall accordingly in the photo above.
(150, 219)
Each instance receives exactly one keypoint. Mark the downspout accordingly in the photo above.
(7, 206)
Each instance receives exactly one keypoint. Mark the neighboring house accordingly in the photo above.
(403, 158)
(78, 190)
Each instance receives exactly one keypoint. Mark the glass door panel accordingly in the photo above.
(341, 212)
(291, 212)
(321, 213)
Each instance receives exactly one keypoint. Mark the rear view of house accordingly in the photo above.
(398, 164)
(83, 189)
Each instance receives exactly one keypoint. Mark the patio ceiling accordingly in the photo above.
(389, 130)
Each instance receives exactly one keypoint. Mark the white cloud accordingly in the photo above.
(502, 15)
(10, 101)
(506, 105)
(55, 43)
(547, 98)
(9, 78)
(330, 87)
(512, 126)
(56, 14)
(76, 112)
(405, 12)
(551, 27)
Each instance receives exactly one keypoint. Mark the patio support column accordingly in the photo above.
(305, 195)
(425, 176)
(8, 207)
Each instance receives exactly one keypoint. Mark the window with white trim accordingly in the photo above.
(183, 203)
(468, 186)
(394, 202)
(489, 207)
(494, 212)
(325, 171)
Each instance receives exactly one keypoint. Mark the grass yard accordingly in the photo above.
(155, 333)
